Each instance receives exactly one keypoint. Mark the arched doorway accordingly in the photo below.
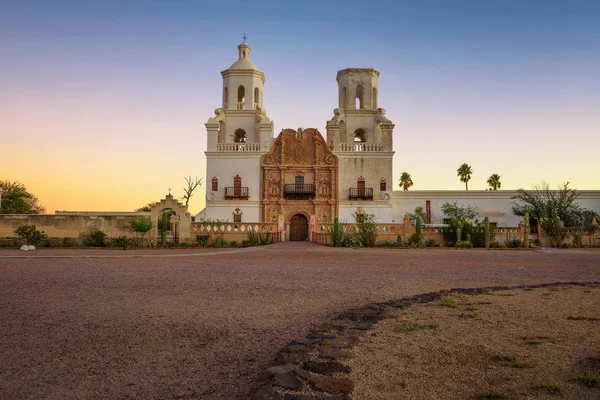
(298, 228)
(167, 225)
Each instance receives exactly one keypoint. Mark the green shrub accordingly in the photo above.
(234, 243)
(67, 242)
(366, 229)
(121, 242)
(388, 243)
(476, 231)
(30, 234)
(514, 244)
(463, 244)
(202, 240)
(95, 238)
(577, 240)
(430, 243)
(415, 240)
(220, 242)
(185, 244)
(351, 241)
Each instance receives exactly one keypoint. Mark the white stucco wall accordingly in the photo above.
(225, 166)
(372, 166)
(496, 205)
(383, 211)
(223, 210)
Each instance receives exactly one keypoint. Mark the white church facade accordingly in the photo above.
(254, 176)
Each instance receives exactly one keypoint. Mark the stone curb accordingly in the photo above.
(312, 368)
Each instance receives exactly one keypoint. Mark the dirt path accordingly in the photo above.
(515, 344)
(202, 327)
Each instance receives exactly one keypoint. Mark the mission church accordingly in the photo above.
(300, 175)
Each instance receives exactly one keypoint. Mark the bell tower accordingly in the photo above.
(362, 137)
(237, 136)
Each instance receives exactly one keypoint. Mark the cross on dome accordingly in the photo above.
(244, 37)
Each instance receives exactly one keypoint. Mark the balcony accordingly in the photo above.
(295, 191)
(362, 147)
(238, 146)
(241, 105)
(360, 194)
(240, 193)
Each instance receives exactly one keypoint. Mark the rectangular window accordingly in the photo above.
(382, 186)
(299, 180)
(237, 218)
(447, 221)
(215, 186)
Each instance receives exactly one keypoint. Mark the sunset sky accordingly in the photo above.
(103, 104)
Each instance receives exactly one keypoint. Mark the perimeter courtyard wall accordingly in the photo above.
(71, 225)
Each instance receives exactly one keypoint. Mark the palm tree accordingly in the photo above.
(405, 181)
(464, 173)
(494, 181)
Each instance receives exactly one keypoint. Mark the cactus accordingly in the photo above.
(458, 232)
(469, 237)
(419, 227)
(526, 234)
(486, 227)
(558, 236)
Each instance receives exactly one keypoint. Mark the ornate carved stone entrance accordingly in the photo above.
(298, 176)
(298, 228)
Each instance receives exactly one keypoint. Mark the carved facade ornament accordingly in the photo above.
(324, 187)
(301, 152)
(274, 190)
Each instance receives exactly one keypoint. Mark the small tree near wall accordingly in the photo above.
(30, 234)
(140, 227)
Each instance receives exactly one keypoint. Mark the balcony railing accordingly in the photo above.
(241, 105)
(298, 191)
(360, 194)
(361, 147)
(238, 146)
(236, 193)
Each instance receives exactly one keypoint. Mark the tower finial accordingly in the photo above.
(244, 37)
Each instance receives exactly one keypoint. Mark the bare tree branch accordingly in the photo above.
(192, 184)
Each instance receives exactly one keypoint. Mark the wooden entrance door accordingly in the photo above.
(237, 188)
(298, 228)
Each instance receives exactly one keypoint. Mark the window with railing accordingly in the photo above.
(360, 193)
(237, 191)
(299, 191)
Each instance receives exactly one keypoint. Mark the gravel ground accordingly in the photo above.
(204, 326)
(525, 344)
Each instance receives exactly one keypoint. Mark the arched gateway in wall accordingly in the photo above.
(299, 175)
(180, 221)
